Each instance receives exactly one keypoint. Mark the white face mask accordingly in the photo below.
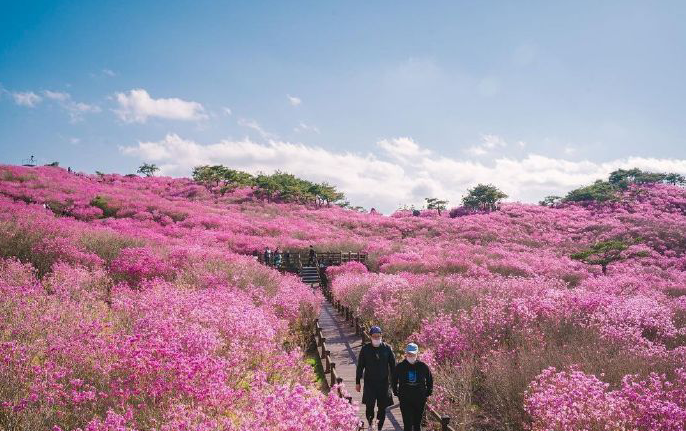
(376, 343)
(411, 360)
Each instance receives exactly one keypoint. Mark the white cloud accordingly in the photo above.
(476, 150)
(403, 149)
(109, 72)
(568, 150)
(137, 106)
(405, 172)
(27, 98)
(302, 127)
(56, 95)
(488, 143)
(76, 110)
(293, 100)
(226, 110)
(252, 124)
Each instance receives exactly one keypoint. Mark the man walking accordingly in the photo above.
(412, 383)
(311, 256)
(376, 362)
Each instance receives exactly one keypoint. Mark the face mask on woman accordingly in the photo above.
(377, 343)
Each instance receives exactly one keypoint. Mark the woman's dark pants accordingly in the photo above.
(412, 409)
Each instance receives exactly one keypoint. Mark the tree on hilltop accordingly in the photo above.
(221, 177)
(436, 204)
(618, 181)
(483, 197)
(148, 169)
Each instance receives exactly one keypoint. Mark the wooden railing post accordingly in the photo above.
(444, 423)
(327, 361)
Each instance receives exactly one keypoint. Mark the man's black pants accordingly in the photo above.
(376, 393)
(412, 409)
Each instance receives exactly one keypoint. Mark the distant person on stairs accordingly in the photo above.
(376, 362)
(311, 256)
(412, 383)
(277, 258)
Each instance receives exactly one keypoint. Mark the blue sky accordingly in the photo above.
(392, 101)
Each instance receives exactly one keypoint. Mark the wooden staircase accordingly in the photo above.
(310, 275)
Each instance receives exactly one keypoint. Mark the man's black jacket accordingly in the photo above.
(375, 363)
(412, 380)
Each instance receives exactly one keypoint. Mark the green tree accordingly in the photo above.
(232, 179)
(550, 201)
(604, 253)
(600, 191)
(327, 193)
(222, 178)
(278, 186)
(619, 180)
(675, 179)
(147, 169)
(436, 204)
(484, 197)
(622, 178)
(267, 186)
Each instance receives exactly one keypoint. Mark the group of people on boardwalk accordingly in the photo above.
(274, 258)
(277, 258)
(410, 380)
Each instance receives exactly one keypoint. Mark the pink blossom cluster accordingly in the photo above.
(573, 400)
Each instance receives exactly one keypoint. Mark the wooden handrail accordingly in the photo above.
(325, 356)
(295, 260)
(443, 420)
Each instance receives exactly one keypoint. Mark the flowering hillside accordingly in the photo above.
(130, 304)
(124, 307)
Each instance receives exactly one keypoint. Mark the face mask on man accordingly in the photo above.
(411, 359)
(377, 342)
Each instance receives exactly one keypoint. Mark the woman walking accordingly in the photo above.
(412, 383)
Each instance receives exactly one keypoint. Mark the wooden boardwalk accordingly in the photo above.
(344, 347)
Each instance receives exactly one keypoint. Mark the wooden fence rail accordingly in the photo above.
(328, 365)
(293, 261)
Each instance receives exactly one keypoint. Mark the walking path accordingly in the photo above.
(344, 346)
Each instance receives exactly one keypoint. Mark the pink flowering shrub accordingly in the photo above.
(71, 359)
(352, 267)
(572, 400)
(134, 265)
